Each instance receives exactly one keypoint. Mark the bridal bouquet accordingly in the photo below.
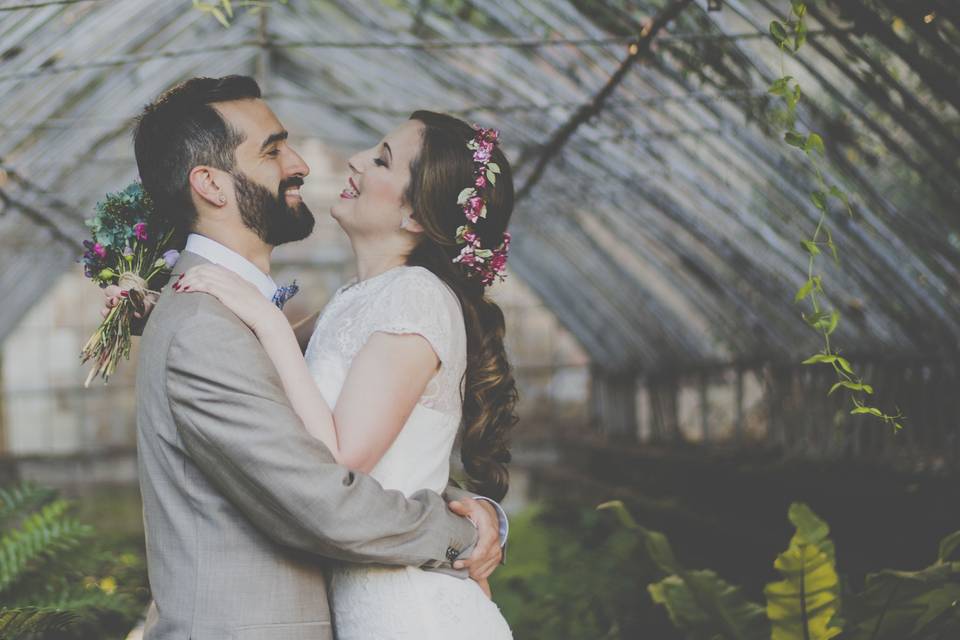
(131, 248)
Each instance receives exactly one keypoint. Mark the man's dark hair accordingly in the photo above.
(181, 130)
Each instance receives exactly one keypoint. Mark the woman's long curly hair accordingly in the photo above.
(443, 168)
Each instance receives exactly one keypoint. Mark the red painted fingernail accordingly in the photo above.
(176, 285)
(123, 294)
(187, 288)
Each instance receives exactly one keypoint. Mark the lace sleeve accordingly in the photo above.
(416, 302)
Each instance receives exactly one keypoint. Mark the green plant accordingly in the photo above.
(572, 574)
(55, 580)
(223, 11)
(790, 35)
(806, 604)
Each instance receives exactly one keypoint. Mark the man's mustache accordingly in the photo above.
(290, 182)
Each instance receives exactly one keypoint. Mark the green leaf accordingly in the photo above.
(42, 534)
(465, 195)
(832, 322)
(493, 166)
(814, 143)
(806, 288)
(222, 19)
(658, 547)
(837, 192)
(815, 319)
(853, 386)
(811, 247)
(800, 35)
(16, 501)
(819, 199)
(780, 86)
(804, 604)
(947, 546)
(703, 605)
(228, 7)
(869, 410)
(823, 321)
(799, 8)
(25, 621)
(492, 177)
(844, 365)
(795, 139)
(895, 605)
(621, 512)
(779, 32)
(820, 358)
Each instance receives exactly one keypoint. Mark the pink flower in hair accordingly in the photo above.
(483, 153)
(467, 256)
(486, 264)
(498, 262)
(474, 208)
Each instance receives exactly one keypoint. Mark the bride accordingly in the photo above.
(403, 357)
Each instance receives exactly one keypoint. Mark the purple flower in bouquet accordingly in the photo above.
(140, 231)
(170, 258)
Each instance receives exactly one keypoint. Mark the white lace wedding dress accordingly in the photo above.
(379, 602)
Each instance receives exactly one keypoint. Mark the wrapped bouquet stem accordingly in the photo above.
(131, 248)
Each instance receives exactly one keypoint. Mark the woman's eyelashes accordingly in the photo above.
(380, 162)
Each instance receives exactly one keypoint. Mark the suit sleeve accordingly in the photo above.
(237, 426)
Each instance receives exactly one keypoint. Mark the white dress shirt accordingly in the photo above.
(230, 259)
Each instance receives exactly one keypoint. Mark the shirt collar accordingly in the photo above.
(230, 259)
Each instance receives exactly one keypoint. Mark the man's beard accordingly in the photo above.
(268, 214)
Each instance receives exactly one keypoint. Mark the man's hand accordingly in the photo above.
(487, 553)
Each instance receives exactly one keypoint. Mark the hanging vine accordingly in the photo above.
(790, 35)
(224, 11)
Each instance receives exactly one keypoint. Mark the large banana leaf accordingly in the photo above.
(804, 605)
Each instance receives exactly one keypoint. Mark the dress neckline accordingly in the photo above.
(359, 285)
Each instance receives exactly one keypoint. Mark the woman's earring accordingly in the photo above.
(404, 221)
(222, 199)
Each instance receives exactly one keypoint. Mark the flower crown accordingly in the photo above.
(488, 264)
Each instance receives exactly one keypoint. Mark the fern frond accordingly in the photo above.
(18, 500)
(15, 623)
(43, 534)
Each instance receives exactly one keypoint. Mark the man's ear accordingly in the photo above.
(209, 184)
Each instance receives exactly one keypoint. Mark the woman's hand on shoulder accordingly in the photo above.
(237, 294)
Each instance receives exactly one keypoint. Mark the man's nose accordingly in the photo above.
(297, 166)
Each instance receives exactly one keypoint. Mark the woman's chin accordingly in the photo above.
(337, 211)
